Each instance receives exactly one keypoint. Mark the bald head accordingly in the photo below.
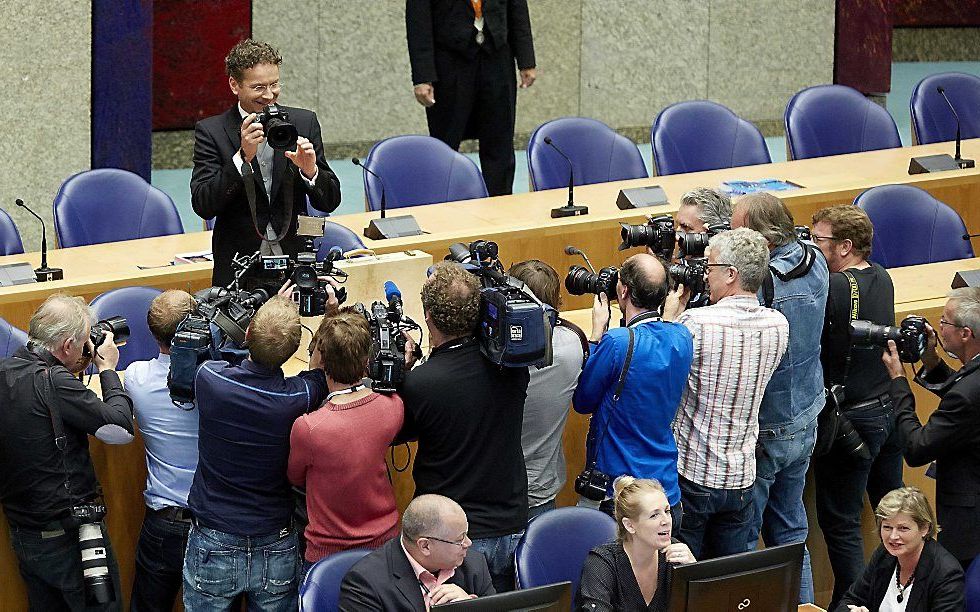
(645, 278)
(427, 514)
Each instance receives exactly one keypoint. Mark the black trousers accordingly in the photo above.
(477, 99)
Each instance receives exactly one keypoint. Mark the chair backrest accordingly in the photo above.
(911, 227)
(835, 119)
(11, 339)
(320, 590)
(10, 242)
(598, 154)
(973, 586)
(335, 234)
(107, 205)
(703, 135)
(555, 544)
(132, 303)
(420, 170)
(932, 120)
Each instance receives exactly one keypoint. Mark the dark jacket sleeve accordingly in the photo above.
(597, 588)
(482, 584)
(519, 32)
(356, 594)
(862, 592)
(109, 419)
(947, 592)
(950, 428)
(215, 182)
(325, 193)
(316, 382)
(421, 42)
(934, 380)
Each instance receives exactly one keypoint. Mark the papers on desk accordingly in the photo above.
(195, 257)
(16, 274)
(734, 188)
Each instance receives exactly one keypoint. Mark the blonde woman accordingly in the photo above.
(633, 573)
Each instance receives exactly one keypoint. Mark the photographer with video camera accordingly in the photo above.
(256, 163)
(240, 497)
(738, 344)
(631, 385)
(365, 515)
(48, 488)
(950, 435)
(795, 285)
(861, 450)
(467, 413)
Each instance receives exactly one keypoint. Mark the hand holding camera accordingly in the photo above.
(676, 302)
(304, 157)
(106, 356)
(252, 135)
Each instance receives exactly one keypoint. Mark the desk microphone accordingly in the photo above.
(44, 273)
(570, 209)
(968, 236)
(394, 227)
(962, 163)
(570, 250)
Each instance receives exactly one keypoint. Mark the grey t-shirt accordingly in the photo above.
(549, 396)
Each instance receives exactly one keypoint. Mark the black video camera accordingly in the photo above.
(117, 325)
(910, 337)
(279, 132)
(386, 366)
(693, 244)
(658, 233)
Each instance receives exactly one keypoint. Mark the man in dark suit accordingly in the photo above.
(232, 158)
(425, 566)
(951, 436)
(462, 54)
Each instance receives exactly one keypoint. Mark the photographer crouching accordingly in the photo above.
(48, 487)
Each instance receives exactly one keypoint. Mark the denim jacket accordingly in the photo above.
(795, 393)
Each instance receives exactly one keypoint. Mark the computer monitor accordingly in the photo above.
(549, 598)
(762, 580)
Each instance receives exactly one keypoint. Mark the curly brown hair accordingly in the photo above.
(249, 53)
(848, 222)
(451, 297)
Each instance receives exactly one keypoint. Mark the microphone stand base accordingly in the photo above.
(392, 227)
(965, 163)
(569, 211)
(938, 163)
(49, 274)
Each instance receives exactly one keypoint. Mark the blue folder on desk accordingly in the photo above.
(734, 188)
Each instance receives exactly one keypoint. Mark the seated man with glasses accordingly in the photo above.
(737, 345)
(426, 566)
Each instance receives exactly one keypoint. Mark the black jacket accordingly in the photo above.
(608, 583)
(218, 189)
(32, 476)
(384, 580)
(938, 584)
(447, 26)
(951, 438)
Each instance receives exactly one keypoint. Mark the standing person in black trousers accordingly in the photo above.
(462, 54)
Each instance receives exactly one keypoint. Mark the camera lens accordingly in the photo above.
(95, 567)
(692, 244)
(689, 273)
(849, 440)
(580, 281)
(868, 334)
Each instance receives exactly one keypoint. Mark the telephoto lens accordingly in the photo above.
(909, 337)
(580, 281)
(658, 234)
(95, 565)
(692, 244)
(117, 325)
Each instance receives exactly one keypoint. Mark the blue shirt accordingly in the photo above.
(633, 436)
(246, 415)
(794, 395)
(169, 434)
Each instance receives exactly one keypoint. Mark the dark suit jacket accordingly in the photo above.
(447, 26)
(218, 189)
(384, 580)
(951, 438)
(938, 585)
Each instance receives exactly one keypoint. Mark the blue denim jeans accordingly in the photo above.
(782, 459)
(159, 563)
(716, 522)
(219, 566)
(499, 552)
(841, 480)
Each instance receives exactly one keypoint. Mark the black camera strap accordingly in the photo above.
(853, 315)
(620, 385)
(270, 240)
(51, 400)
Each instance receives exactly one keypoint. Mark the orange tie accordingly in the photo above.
(478, 8)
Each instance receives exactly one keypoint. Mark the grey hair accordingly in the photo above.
(424, 515)
(714, 208)
(768, 215)
(745, 249)
(60, 317)
(966, 312)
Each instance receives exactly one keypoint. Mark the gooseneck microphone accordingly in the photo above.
(358, 163)
(960, 162)
(394, 227)
(570, 250)
(44, 273)
(570, 209)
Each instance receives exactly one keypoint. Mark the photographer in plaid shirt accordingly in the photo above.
(737, 346)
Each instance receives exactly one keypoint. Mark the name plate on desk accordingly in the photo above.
(966, 278)
(16, 274)
(641, 197)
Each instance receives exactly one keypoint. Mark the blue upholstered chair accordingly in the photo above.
(703, 135)
(420, 170)
(973, 586)
(555, 544)
(107, 205)
(598, 154)
(833, 120)
(11, 339)
(10, 242)
(932, 120)
(320, 591)
(132, 303)
(335, 234)
(912, 227)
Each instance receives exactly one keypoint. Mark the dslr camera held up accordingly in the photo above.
(279, 132)
(580, 281)
(117, 325)
(514, 327)
(910, 336)
(386, 367)
(658, 234)
(693, 244)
